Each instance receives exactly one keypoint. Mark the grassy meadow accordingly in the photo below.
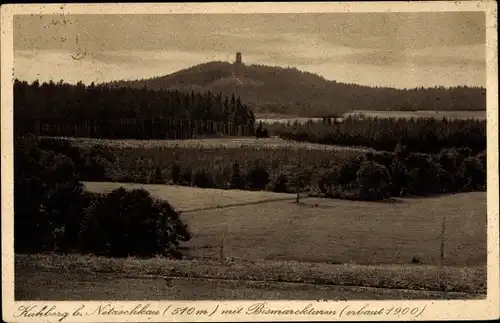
(276, 118)
(271, 226)
(480, 115)
(212, 143)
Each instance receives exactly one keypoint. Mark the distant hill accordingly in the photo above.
(290, 91)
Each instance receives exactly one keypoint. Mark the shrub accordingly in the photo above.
(203, 179)
(236, 181)
(374, 180)
(63, 147)
(186, 177)
(131, 223)
(258, 178)
(348, 171)
(384, 158)
(450, 159)
(474, 173)
(279, 184)
(93, 168)
(176, 174)
(158, 177)
(327, 179)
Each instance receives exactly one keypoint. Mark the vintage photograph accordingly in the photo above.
(249, 156)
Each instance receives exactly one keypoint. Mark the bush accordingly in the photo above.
(158, 177)
(90, 164)
(236, 181)
(131, 223)
(48, 198)
(186, 177)
(279, 184)
(450, 159)
(63, 147)
(328, 179)
(474, 173)
(258, 178)
(176, 174)
(374, 180)
(348, 171)
(53, 213)
(203, 179)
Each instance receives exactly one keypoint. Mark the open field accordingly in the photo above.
(481, 115)
(284, 119)
(223, 142)
(189, 199)
(81, 277)
(325, 230)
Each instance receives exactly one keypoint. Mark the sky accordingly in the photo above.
(402, 50)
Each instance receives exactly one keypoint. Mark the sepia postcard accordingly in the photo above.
(196, 162)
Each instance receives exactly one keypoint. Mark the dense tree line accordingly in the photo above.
(357, 176)
(419, 135)
(404, 173)
(53, 213)
(271, 89)
(101, 111)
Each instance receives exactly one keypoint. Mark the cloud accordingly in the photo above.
(424, 58)
(407, 76)
(96, 67)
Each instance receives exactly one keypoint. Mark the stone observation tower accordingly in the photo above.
(238, 58)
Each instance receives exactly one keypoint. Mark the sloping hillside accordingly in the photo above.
(291, 91)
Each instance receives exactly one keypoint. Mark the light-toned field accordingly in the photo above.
(271, 226)
(481, 115)
(223, 142)
(284, 119)
(189, 199)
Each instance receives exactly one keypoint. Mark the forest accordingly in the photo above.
(97, 111)
(427, 135)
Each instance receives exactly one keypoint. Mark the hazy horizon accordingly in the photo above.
(400, 50)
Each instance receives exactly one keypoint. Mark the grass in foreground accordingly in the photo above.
(63, 285)
(325, 230)
(451, 279)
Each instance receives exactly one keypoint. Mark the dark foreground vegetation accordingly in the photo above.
(53, 213)
(427, 135)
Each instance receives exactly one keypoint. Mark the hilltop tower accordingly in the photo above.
(238, 58)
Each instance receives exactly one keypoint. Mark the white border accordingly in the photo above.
(435, 310)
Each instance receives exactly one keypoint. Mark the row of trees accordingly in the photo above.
(403, 173)
(419, 135)
(53, 213)
(100, 111)
(371, 176)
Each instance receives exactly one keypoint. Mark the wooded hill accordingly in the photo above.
(290, 91)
